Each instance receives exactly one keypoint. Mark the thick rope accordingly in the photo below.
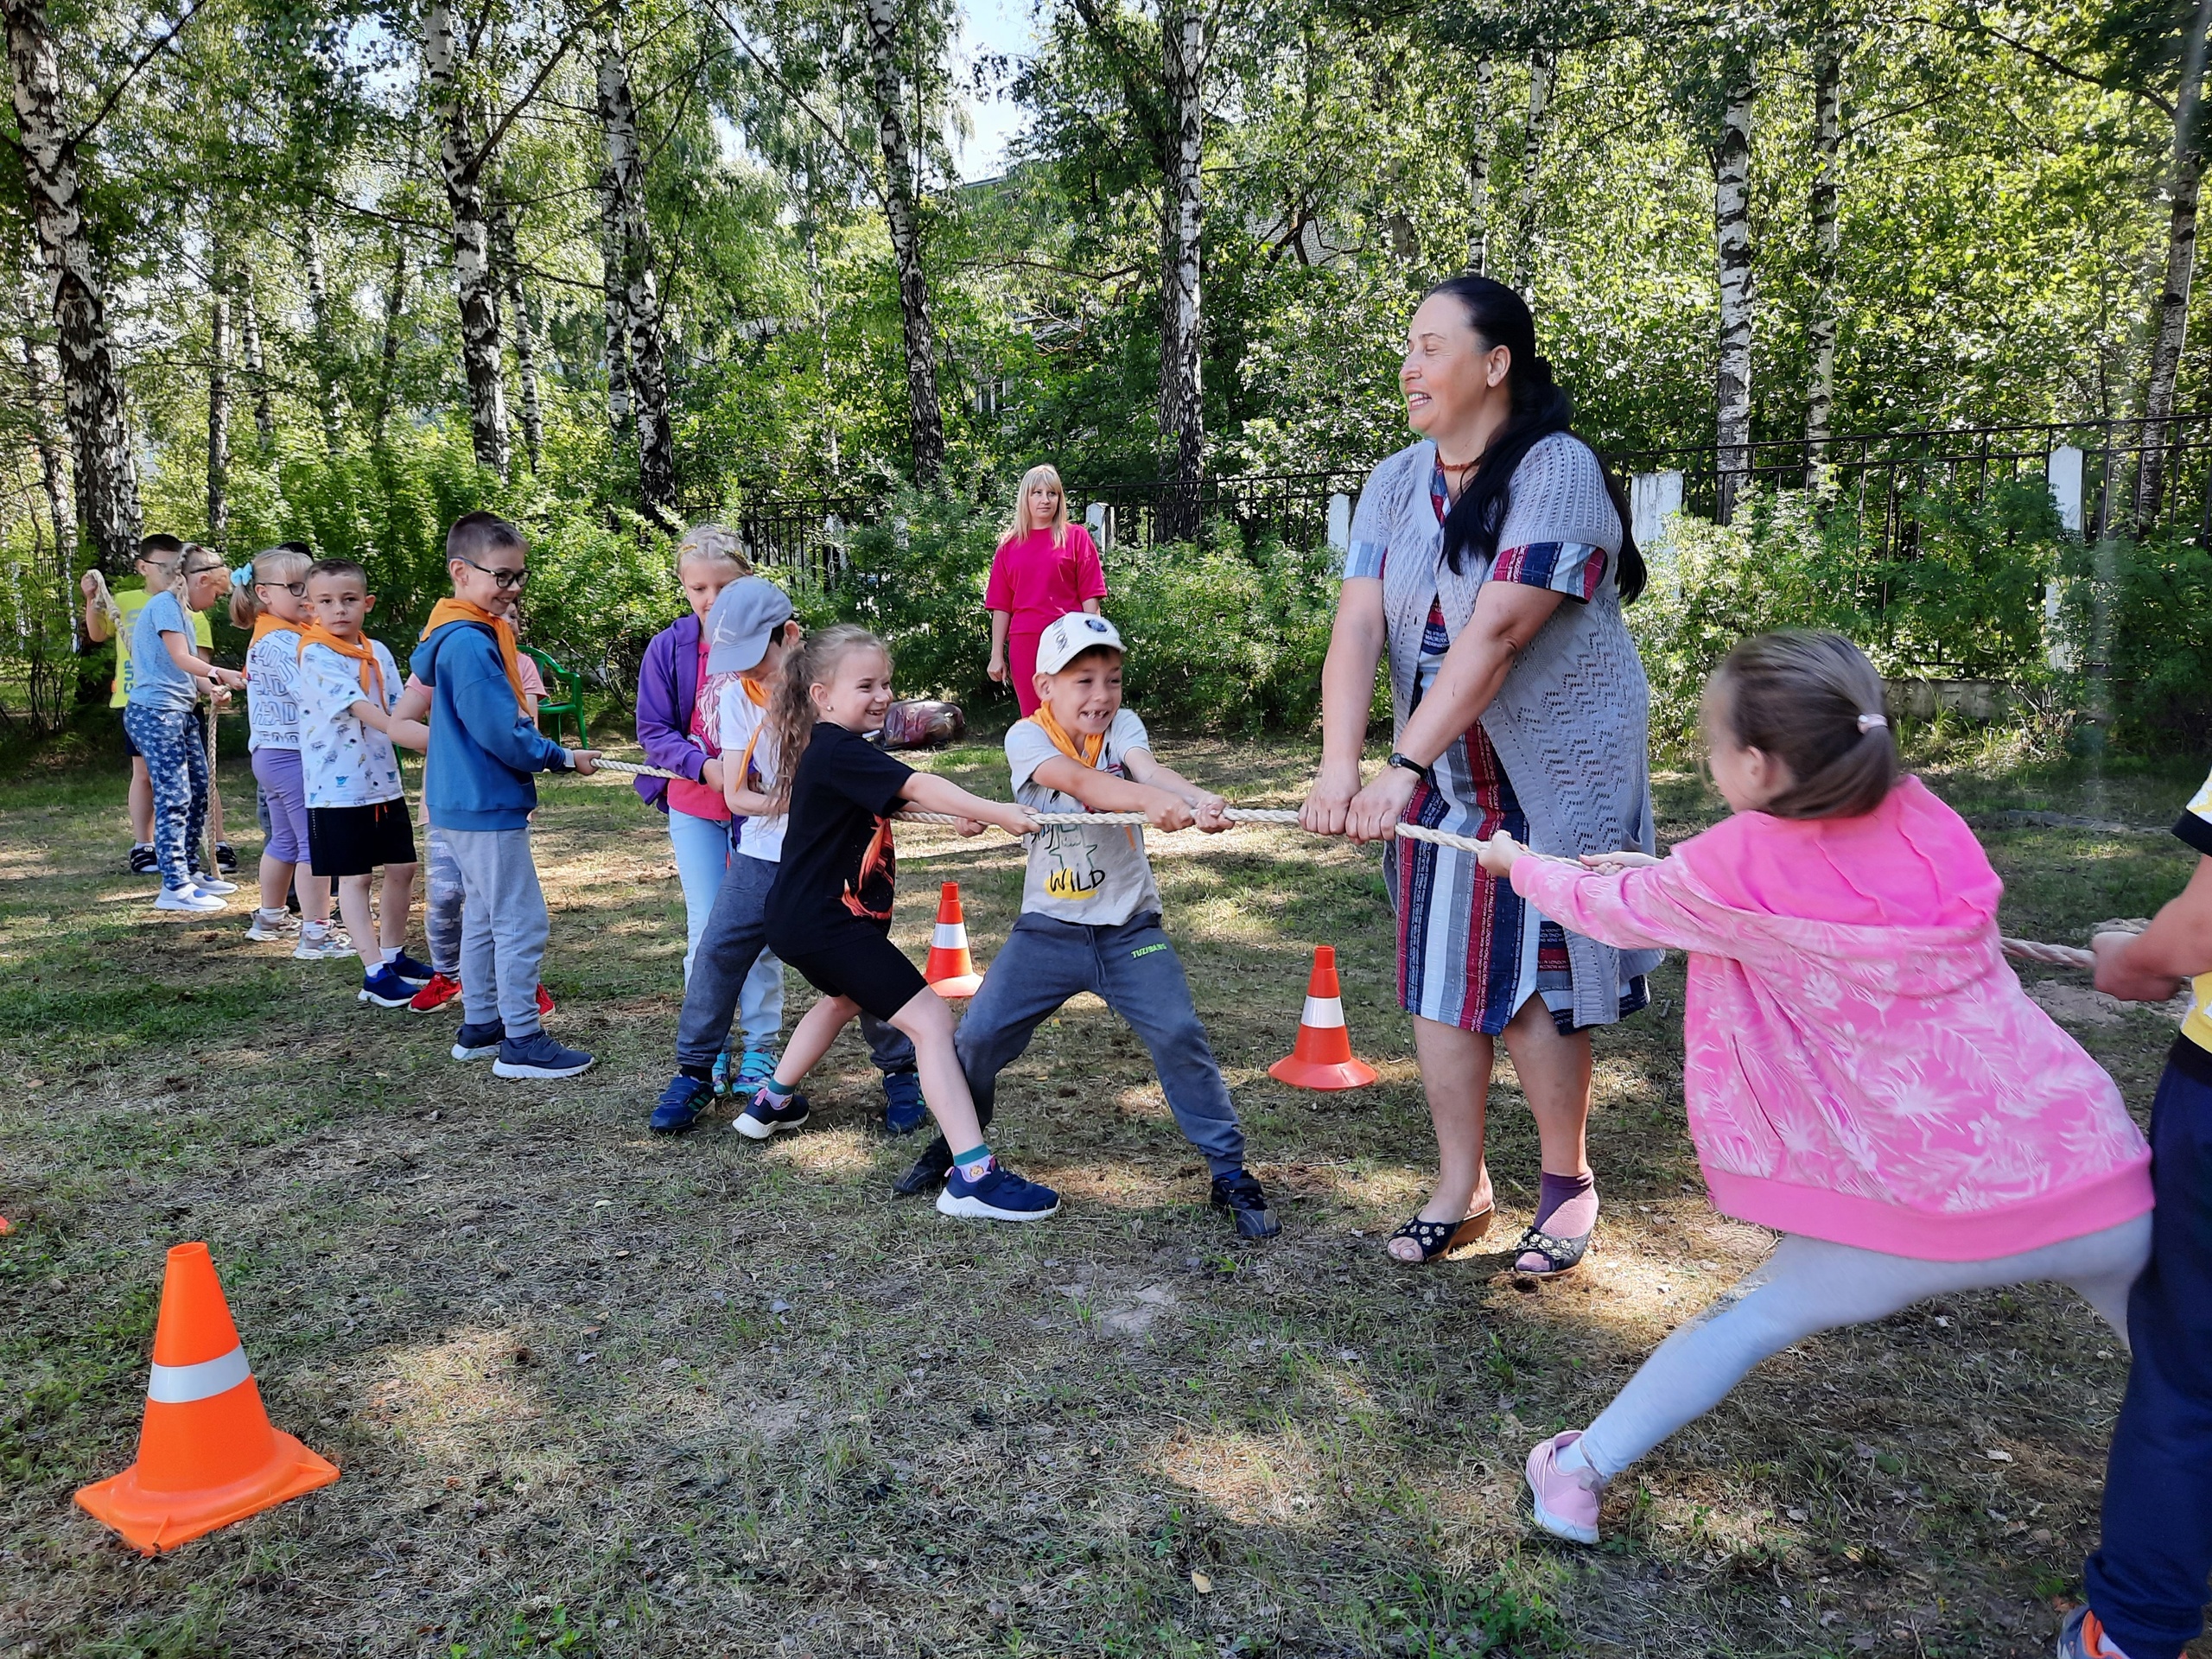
(2054, 956)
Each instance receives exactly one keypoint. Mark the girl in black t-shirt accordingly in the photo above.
(828, 914)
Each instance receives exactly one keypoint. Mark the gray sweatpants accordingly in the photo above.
(503, 926)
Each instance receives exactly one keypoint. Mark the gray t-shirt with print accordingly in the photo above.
(1091, 873)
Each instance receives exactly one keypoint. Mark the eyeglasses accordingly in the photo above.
(296, 589)
(503, 579)
(200, 569)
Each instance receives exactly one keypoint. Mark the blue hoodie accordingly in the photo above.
(483, 747)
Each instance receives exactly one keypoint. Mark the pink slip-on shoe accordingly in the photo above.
(1567, 1499)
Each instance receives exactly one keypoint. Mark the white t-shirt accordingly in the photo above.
(739, 720)
(272, 698)
(342, 762)
(1095, 874)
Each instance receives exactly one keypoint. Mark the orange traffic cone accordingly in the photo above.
(950, 970)
(1322, 1056)
(207, 1454)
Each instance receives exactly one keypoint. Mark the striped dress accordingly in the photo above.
(1470, 950)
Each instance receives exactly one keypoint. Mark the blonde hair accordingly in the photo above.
(714, 544)
(1815, 703)
(273, 564)
(1042, 473)
(791, 711)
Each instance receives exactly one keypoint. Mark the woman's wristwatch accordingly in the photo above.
(1407, 763)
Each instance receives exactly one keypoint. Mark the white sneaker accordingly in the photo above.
(188, 898)
(282, 925)
(214, 884)
(330, 947)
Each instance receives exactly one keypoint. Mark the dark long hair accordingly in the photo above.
(1540, 407)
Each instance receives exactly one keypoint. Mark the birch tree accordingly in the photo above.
(1543, 68)
(461, 166)
(627, 234)
(395, 309)
(2170, 323)
(1479, 152)
(1184, 36)
(925, 418)
(1824, 203)
(257, 365)
(323, 337)
(1731, 222)
(219, 392)
(524, 328)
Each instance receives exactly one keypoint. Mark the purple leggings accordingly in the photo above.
(277, 771)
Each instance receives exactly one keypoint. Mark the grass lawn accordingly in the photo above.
(595, 1392)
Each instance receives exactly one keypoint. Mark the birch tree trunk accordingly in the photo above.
(325, 338)
(394, 306)
(1479, 166)
(219, 397)
(1824, 201)
(1543, 70)
(1182, 398)
(257, 367)
(615, 311)
(925, 417)
(92, 392)
(525, 332)
(635, 285)
(2171, 319)
(59, 507)
(1732, 219)
(460, 162)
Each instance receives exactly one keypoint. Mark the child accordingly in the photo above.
(165, 683)
(269, 597)
(1043, 569)
(752, 633)
(2145, 1586)
(828, 914)
(480, 791)
(1863, 1073)
(356, 807)
(1090, 910)
(679, 697)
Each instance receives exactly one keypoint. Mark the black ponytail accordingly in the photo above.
(1540, 407)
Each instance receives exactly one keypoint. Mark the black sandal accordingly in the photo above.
(1565, 1255)
(1444, 1238)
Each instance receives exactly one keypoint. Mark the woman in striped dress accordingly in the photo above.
(1489, 563)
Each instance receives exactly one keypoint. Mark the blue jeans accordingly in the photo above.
(731, 948)
(176, 764)
(2147, 1579)
(702, 854)
(1135, 972)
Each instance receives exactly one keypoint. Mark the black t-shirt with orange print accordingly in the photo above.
(838, 865)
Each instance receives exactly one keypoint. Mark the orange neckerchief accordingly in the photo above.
(1092, 750)
(757, 696)
(460, 610)
(264, 625)
(362, 652)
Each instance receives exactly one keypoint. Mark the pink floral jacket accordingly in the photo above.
(1861, 1063)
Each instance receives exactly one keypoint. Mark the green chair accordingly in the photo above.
(564, 697)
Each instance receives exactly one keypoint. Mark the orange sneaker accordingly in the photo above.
(435, 994)
(544, 1001)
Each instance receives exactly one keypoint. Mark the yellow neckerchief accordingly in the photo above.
(264, 625)
(1092, 751)
(757, 696)
(361, 651)
(448, 611)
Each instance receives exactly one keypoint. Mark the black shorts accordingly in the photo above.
(355, 840)
(130, 748)
(853, 958)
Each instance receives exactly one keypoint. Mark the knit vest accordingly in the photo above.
(1572, 722)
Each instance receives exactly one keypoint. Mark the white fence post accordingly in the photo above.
(1654, 500)
(1098, 519)
(1339, 522)
(2065, 476)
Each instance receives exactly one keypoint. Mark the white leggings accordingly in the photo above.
(1808, 1285)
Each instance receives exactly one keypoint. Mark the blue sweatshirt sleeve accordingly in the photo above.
(485, 702)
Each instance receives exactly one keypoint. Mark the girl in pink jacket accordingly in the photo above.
(1863, 1072)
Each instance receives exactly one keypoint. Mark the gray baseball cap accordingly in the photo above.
(737, 628)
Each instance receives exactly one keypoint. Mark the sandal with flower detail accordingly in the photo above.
(1444, 1238)
(1561, 1254)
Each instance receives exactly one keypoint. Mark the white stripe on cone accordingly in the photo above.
(1323, 1011)
(949, 936)
(180, 1385)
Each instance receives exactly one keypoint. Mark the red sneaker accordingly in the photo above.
(434, 996)
(545, 1000)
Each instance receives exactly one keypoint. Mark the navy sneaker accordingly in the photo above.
(417, 973)
(386, 989)
(764, 1118)
(1240, 1195)
(538, 1056)
(680, 1104)
(143, 861)
(904, 1111)
(929, 1171)
(999, 1195)
(479, 1042)
(227, 859)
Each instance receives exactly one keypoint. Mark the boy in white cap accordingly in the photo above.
(749, 632)
(1091, 909)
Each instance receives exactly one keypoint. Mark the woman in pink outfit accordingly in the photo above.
(1863, 1072)
(1043, 569)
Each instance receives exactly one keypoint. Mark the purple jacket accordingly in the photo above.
(668, 686)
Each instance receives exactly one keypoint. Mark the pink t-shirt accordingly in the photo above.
(533, 683)
(697, 800)
(1038, 583)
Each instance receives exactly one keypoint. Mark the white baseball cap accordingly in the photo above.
(1073, 634)
(737, 628)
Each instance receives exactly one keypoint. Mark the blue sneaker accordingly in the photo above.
(680, 1104)
(417, 973)
(904, 1111)
(721, 1081)
(755, 1069)
(763, 1118)
(386, 989)
(479, 1042)
(998, 1195)
(538, 1056)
